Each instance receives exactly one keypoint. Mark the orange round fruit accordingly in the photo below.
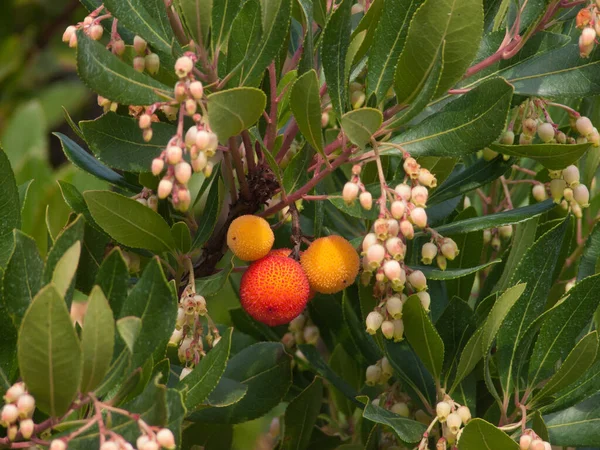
(250, 237)
(274, 290)
(331, 264)
(285, 252)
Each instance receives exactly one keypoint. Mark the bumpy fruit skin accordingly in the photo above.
(274, 290)
(250, 237)
(331, 264)
(285, 252)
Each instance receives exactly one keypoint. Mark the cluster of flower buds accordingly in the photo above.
(379, 373)
(495, 236)
(163, 438)
(301, 331)
(586, 129)
(90, 26)
(147, 198)
(354, 189)
(17, 412)
(531, 441)
(452, 417)
(441, 249)
(588, 21)
(199, 141)
(566, 190)
(144, 58)
(394, 400)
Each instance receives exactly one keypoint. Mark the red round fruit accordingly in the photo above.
(274, 290)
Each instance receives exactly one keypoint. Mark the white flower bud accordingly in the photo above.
(374, 321)
(366, 200)
(428, 252)
(9, 414)
(547, 446)
(418, 216)
(164, 188)
(537, 444)
(417, 280)
(525, 139)
(174, 154)
(311, 334)
(392, 269)
(145, 121)
(407, 229)
(190, 136)
(507, 138)
(449, 249)
(594, 138)
(584, 126)
(196, 89)
(324, 119)
(404, 191)
(25, 405)
(208, 169)
(393, 306)
(350, 192)
(14, 392)
(529, 126)
(58, 444)
(588, 35)
(202, 140)
(372, 375)
(505, 231)
(401, 409)
(525, 441)
(139, 63)
(571, 175)
(152, 63)
(118, 46)
(73, 41)
(454, 423)
(411, 167)
(465, 414)
(213, 143)
(375, 255)
(297, 324)
(200, 162)
(184, 197)
(157, 166)
(26, 427)
(96, 32)
(546, 132)
(166, 439)
(386, 367)
(398, 330)
(539, 192)
(441, 261)
(443, 409)
(557, 187)
(184, 373)
(397, 209)
(109, 445)
(183, 172)
(370, 239)
(419, 195)
(183, 66)
(176, 336)
(425, 299)
(139, 45)
(581, 195)
(190, 107)
(70, 31)
(387, 329)
(568, 194)
(396, 248)
(426, 178)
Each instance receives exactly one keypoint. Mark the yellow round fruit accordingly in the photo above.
(250, 237)
(331, 264)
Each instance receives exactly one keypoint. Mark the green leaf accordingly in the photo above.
(450, 274)
(455, 25)
(181, 236)
(24, 193)
(345, 365)
(482, 435)
(539, 426)
(463, 126)
(10, 209)
(8, 349)
(246, 31)
(587, 385)
(114, 79)
(360, 125)
(129, 222)
(535, 269)
(301, 417)
(93, 252)
(151, 23)
(476, 175)
(117, 141)
(234, 110)
(509, 217)
(363, 342)
(226, 393)
(388, 42)
(76, 202)
(407, 430)
(334, 47)
(201, 381)
(223, 14)
(369, 23)
(113, 277)
(49, 353)
(576, 426)
(265, 368)
(65, 269)
(97, 340)
(275, 24)
(153, 301)
(591, 253)
(422, 336)
(551, 156)
(296, 173)
(86, 162)
(307, 59)
(129, 330)
(562, 326)
(22, 276)
(557, 73)
(196, 15)
(579, 360)
(210, 215)
(305, 103)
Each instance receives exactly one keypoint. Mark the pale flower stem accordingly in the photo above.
(382, 183)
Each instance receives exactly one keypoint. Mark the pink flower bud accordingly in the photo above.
(426, 178)
(174, 154)
(196, 89)
(372, 375)
(557, 186)
(190, 136)
(26, 427)
(190, 107)
(507, 138)
(166, 439)
(418, 216)
(393, 227)
(381, 228)
(109, 445)
(350, 192)
(449, 249)
(164, 188)
(369, 239)
(96, 32)
(425, 299)
(387, 329)
(139, 63)
(147, 134)
(403, 191)
(324, 119)
(537, 444)
(118, 47)
(396, 248)
(407, 230)
(25, 405)
(584, 126)
(14, 392)
(581, 195)
(419, 195)
(397, 209)
(183, 172)
(443, 409)
(366, 200)
(208, 169)
(145, 121)
(157, 166)
(185, 200)
(539, 193)
(9, 414)
(183, 66)
(200, 162)
(417, 280)
(411, 167)
(398, 330)
(375, 255)
(69, 32)
(213, 143)
(374, 320)
(202, 140)
(73, 41)
(571, 175)
(594, 138)
(525, 139)
(139, 45)
(428, 252)
(546, 132)
(356, 169)
(441, 261)
(392, 269)
(547, 446)
(588, 35)
(529, 126)
(152, 63)
(393, 305)
(58, 444)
